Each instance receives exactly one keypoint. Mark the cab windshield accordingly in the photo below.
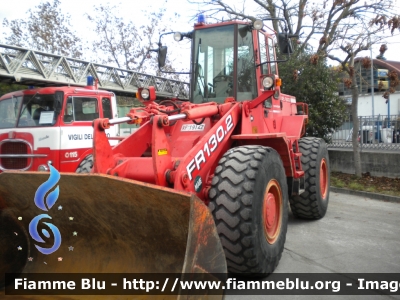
(9, 110)
(219, 69)
(28, 111)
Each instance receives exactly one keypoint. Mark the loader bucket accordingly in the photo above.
(114, 226)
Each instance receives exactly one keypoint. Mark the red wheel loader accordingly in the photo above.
(203, 184)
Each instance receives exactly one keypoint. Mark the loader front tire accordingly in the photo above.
(86, 165)
(249, 202)
(313, 203)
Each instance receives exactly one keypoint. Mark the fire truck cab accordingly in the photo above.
(53, 125)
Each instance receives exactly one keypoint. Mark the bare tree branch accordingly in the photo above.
(124, 43)
(46, 29)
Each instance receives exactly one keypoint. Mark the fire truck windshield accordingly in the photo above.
(9, 109)
(37, 110)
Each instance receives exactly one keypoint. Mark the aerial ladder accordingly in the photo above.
(37, 68)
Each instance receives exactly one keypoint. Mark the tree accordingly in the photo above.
(326, 108)
(46, 29)
(333, 25)
(126, 44)
(352, 42)
(8, 88)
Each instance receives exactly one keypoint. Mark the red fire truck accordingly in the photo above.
(53, 124)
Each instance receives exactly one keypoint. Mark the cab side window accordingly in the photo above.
(263, 53)
(81, 109)
(106, 103)
(267, 54)
(68, 112)
(246, 73)
(271, 51)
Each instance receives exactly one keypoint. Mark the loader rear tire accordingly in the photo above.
(86, 165)
(249, 202)
(313, 203)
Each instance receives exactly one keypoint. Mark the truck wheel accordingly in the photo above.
(249, 200)
(313, 203)
(86, 165)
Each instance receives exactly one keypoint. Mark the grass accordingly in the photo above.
(367, 183)
(336, 182)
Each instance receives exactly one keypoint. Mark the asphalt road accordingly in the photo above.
(357, 235)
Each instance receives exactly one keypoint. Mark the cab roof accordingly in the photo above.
(52, 90)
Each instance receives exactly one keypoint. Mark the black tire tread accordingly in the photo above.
(306, 204)
(234, 179)
(86, 165)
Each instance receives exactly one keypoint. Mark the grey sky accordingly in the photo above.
(131, 10)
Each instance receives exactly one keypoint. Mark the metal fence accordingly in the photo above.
(379, 132)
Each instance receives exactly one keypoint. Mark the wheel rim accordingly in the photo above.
(323, 178)
(272, 211)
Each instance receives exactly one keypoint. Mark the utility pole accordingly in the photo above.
(388, 104)
(372, 80)
(372, 71)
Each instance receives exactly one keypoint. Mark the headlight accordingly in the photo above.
(268, 82)
(177, 36)
(258, 24)
(43, 168)
(145, 94)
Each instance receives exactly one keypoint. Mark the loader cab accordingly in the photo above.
(223, 63)
(230, 61)
(233, 60)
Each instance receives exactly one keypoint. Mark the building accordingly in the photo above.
(380, 81)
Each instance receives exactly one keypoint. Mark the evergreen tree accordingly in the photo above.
(314, 83)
